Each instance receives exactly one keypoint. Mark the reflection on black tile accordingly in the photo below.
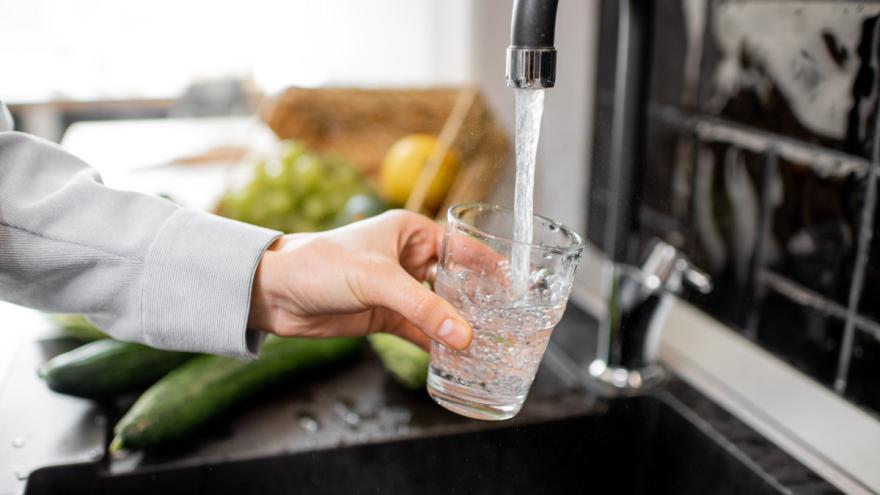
(802, 69)
(864, 373)
(814, 226)
(806, 338)
(724, 227)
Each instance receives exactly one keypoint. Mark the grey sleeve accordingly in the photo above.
(140, 267)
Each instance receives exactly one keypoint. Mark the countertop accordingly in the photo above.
(355, 405)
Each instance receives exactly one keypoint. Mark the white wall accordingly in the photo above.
(100, 49)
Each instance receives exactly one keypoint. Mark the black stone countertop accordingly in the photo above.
(355, 405)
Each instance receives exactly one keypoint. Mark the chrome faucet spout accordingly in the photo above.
(531, 56)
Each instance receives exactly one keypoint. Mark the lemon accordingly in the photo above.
(404, 162)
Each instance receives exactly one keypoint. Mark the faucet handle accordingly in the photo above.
(698, 279)
(667, 267)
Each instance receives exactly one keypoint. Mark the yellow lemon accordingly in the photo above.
(403, 163)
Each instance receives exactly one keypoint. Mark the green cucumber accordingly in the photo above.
(106, 368)
(407, 362)
(205, 387)
(78, 327)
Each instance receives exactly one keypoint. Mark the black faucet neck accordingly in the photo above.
(531, 57)
(533, 24)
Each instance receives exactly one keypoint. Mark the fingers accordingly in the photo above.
(409, 332)
(425, 310)
(465, 253)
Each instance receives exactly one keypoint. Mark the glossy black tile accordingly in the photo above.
(804, 337)
(723, 226)
(814, 225)
(869, 304)
(864, 372)
(802, 69)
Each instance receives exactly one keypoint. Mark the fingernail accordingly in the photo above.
(454, 334)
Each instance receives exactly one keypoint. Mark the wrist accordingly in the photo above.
(264, 293)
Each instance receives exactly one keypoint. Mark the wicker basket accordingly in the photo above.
(361, 124)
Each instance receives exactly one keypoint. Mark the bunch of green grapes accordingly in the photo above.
(300, 191)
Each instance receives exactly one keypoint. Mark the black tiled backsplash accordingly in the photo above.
(870, 302)
(795, 68)
(670, 51)
(758, 146)
(864, 371)
(814, 224)
(668, 192)
(723, 233)
(807, 338)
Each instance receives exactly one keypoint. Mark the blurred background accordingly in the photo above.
(743, 134)
(101, 60)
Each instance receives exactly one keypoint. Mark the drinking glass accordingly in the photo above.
(512, 310)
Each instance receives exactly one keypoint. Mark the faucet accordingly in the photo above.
(531, 57)
(639, 299)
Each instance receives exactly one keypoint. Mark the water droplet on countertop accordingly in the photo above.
(21, 475)
(18, 442)
(345, 412)
(308, 423)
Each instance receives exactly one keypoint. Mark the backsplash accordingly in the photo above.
(757, 155)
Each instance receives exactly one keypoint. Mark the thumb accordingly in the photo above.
(425, 310)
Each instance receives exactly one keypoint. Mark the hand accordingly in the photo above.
(355, 280)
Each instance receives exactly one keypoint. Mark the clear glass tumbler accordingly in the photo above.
(512, 311)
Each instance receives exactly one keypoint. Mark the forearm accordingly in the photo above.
(140, 267)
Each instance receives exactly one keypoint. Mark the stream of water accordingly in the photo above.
(529, 110)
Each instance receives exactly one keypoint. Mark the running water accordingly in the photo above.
(529, 109)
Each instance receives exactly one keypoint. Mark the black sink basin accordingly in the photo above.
(641, 445)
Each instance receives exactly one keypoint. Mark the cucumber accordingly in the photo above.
(106, 368)
(205, 387)
(407, 362)
(78, 327)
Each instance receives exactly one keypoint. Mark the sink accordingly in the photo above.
(635, 445)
